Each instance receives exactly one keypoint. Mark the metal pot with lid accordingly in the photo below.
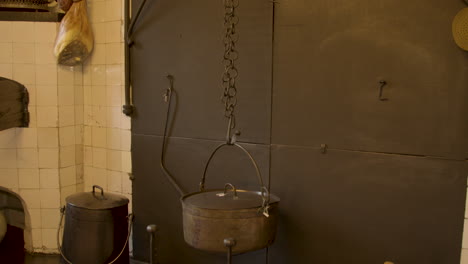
(229, 219)
(97, 228)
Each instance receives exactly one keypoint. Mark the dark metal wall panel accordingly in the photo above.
(353, 207)
(184, 38)
(156, 202)
(330, 56)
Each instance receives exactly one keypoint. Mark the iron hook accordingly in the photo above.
(383, 83)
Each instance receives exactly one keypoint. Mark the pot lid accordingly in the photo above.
(96, 200)
(222, 200)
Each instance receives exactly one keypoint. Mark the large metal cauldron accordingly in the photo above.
(230, 220)
(96, 228)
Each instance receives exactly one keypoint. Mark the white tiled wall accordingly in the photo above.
(30, 158)
(106, 132)
(77, 136)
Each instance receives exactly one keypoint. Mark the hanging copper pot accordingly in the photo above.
(229, 219)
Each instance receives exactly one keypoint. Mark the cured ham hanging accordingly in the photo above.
(75, 39)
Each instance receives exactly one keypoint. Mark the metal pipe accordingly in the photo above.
(129, 24)
(151, 229)
(168, 100)
(229, 243)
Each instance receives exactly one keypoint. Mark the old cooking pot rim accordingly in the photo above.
(221, 199)
(96, 201)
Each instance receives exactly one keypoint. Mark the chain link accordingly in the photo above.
(230, 74)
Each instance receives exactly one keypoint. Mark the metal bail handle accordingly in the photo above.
(263, 189)
(100, 188)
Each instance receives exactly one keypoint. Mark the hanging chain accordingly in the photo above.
(229, 98)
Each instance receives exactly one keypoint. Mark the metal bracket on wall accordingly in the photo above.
(129, 24)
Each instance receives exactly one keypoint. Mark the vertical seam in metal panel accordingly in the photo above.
(271, 90)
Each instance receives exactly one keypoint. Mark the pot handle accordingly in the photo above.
(226, 190)
(100, 188)
(263, 189)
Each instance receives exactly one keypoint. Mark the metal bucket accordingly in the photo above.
(97, 228)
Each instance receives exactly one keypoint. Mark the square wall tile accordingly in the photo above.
(24, 53)
(113, 10)
(8, 139)
(50, 198)
(9, 178)
(67, 156)
(28, 178)
(8, 159)
(49, 178)
(99, 96)
(23, 32)
(27, 158)
(32, 198)
(47, 116)
(67, 136)
(114, 74)
(48, 158)
(46, 74)
(47, 137)
(24, 73)
(26, 137)
(50, 218)
(45, 32)
(44, 53)
(126, 143)
(66, 95)
(65, 75)
(67, 176)
(6, 70)
(98, 75)
(47, 95)
(66, 116)
(114, 53)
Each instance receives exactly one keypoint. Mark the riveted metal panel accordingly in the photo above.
(330, 57)
(184, 39)
(354, 207)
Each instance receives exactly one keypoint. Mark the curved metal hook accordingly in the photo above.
(383, 83)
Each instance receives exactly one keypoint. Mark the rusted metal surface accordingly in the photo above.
(206, 229)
